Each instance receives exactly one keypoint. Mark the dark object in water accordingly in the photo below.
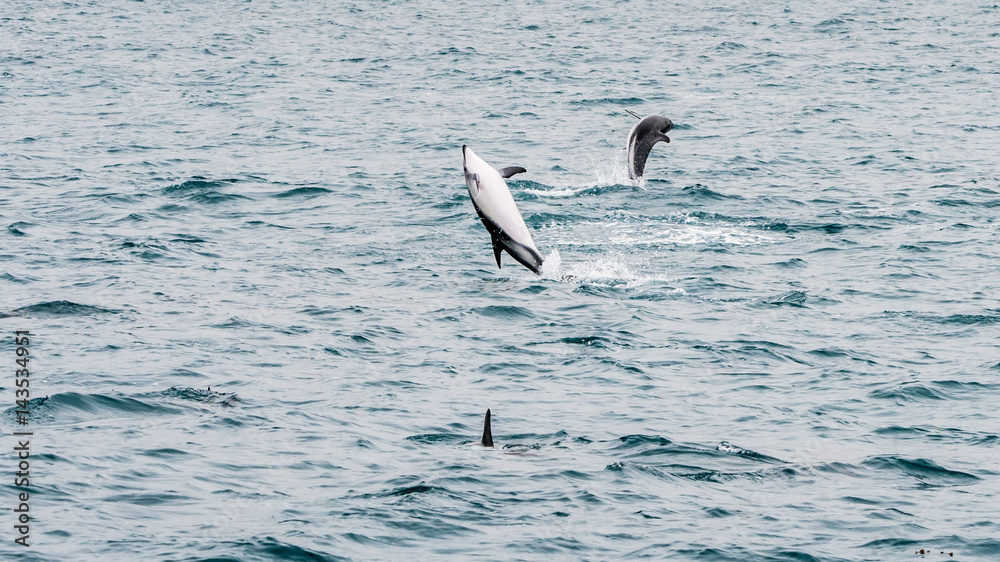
(487, 431)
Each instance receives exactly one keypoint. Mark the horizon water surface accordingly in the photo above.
(266, 322)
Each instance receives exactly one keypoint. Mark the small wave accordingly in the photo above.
(148, 498)
(970, 319)
(418, 489)
(537, 220)
(830, 22)
(730, 46)
(932, 433)
(188, 239)
(789, 298)
(202, 190)
(213, 198)
(792, 263)
(206, 396)
(892, 542)
(612, 101)
(270, 548)
(989, 316)
(12, 279)
(634, 470)
(69, 407)
(56, 309)
(641, 441)
(18, 228)
(730, 449)
(504, 311)
(909, 393)
(839, 468)
(437, 438)
(926, 471)
(305, 192)
(197, 183)
(590, 341)
(699, 191)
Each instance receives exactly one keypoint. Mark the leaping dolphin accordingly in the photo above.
(644, 134)
(495, 206)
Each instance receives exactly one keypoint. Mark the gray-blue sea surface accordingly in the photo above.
(266, 322)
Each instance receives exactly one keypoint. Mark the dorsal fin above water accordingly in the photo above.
(510, 171)
(487, 431)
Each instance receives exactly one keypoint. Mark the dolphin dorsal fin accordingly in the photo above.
(510, 171)
(497, 248)
(487, 431)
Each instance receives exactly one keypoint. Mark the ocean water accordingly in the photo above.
(266, 322)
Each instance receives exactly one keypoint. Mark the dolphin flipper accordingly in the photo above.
(510, 171)
(497, 248)
(487, 430)
(474, 182)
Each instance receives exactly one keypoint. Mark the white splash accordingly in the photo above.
(551, 265)
(616, 270)
(607, 172)
(556, 193)
(613, 172)
(682, 235)
(611, 267)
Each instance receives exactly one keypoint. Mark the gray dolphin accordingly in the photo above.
(644, 134)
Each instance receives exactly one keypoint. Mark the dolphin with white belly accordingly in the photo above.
(495, 206)
(644, 134)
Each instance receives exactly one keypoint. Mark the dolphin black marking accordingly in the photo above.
(644, 134)
(487, 431)
(503, 242)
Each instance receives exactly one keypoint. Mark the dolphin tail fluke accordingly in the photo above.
(487, 432)
(497, 248)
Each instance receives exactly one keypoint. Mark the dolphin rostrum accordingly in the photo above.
(644, 134)
(495, 206)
